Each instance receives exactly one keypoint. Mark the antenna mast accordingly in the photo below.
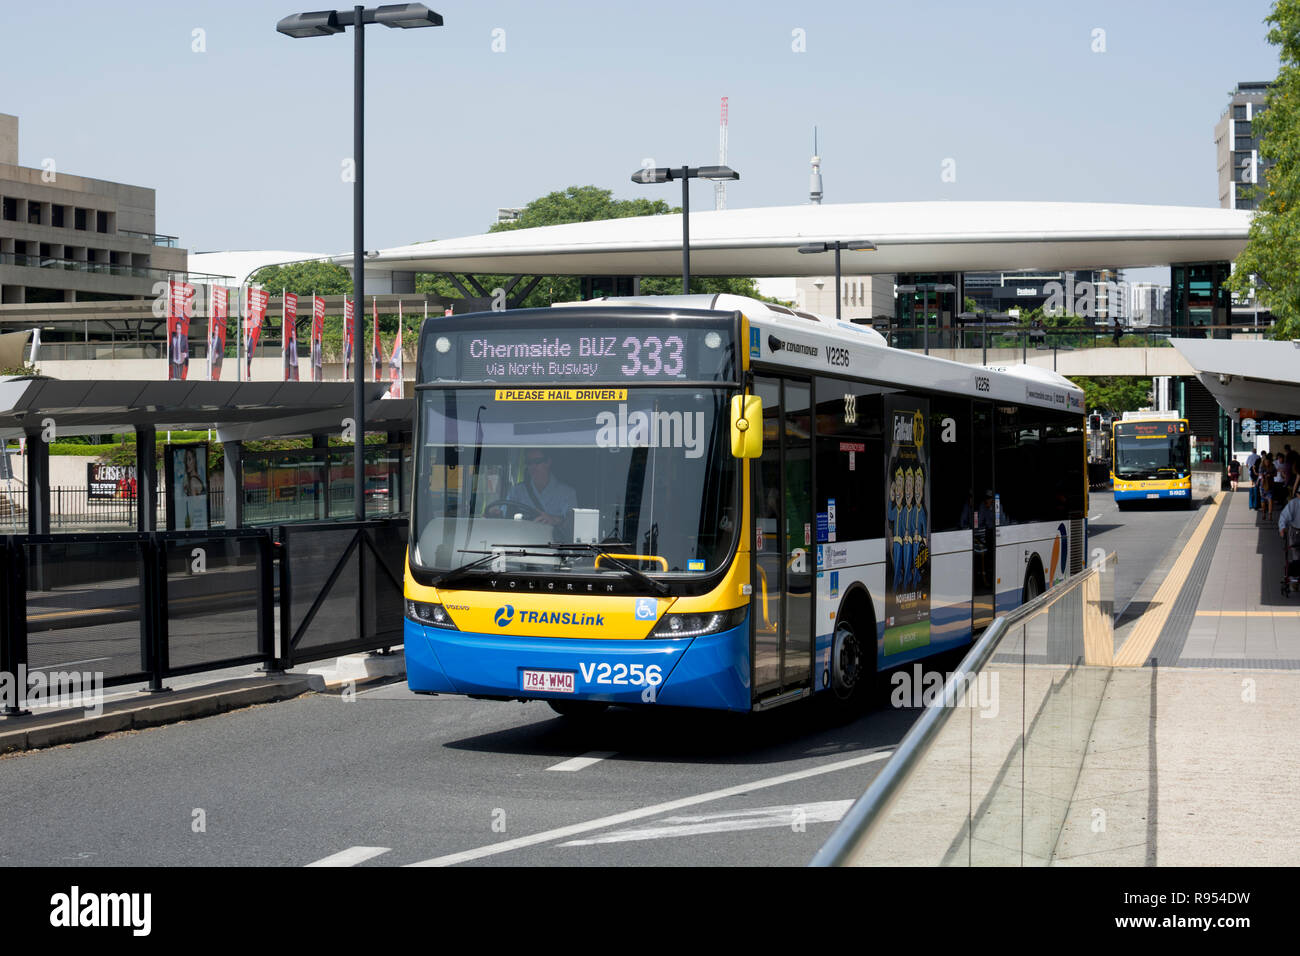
(720, 186)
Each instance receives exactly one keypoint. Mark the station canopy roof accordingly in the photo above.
(236, 410)
(910, 236)
(1260, 375)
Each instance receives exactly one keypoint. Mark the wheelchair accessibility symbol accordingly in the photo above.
(646, 609)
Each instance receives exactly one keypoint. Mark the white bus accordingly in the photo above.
(898, 503)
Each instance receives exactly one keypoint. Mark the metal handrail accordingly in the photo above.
(858, 825)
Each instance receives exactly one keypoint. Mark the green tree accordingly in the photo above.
(304, 278)
(1114, 394)
(1273, 250)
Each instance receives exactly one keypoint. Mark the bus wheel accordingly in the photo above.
(578, 709)
(1033, 585)
(852, 669)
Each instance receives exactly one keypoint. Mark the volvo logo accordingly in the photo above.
(505, 614)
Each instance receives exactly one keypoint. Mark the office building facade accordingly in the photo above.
(66, 238)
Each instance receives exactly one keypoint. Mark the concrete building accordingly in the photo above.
(67, 238)
(1236, 146)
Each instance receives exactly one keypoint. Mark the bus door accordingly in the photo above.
(784, 550)
(984, 546)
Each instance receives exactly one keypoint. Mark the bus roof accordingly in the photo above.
(836, 347)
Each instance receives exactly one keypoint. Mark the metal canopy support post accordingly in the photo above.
(518, 300)
(146, 478)
(38, 484)
(234, 484)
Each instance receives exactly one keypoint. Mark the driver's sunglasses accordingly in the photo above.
(535, 461)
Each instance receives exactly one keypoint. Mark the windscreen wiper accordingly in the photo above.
(599, 550)
(466, 568)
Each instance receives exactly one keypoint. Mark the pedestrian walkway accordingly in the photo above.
(1221, 604)
(1193, 756)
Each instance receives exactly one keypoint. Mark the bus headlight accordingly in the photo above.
(696, 625)
(433, 615)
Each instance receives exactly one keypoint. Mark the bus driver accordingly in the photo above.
(553, 500)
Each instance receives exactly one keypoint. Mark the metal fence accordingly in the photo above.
(988, 774)
(75, 509)
(137, 608)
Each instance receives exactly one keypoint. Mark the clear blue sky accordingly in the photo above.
(244, 142)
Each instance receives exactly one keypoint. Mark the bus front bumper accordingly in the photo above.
(710, 671)
(1152, 494)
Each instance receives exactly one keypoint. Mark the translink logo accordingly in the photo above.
(505, 616)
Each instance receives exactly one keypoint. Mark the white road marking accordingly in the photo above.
(352, 856)
(559, 833)
(586, 760)
(796, 814)
(88, 660)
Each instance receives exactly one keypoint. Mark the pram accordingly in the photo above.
(1291, 562)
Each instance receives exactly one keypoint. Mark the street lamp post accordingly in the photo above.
(666, 174)
(853, 245)
(326, 23)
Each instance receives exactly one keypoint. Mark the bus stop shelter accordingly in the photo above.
(43, 409)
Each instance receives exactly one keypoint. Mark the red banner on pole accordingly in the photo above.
(317, 337)
(180, 306)
(257, 300)
(349, 334)
(377, 351)
(289, 336)
(395, 361)
(217, 332)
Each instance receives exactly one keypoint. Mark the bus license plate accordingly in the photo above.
(555, 682)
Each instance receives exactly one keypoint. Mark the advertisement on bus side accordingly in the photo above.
(907, 551)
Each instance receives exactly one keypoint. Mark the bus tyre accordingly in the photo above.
(852, 669)
(1033, 585)
(578, 709)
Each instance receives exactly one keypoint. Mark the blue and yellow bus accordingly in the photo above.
(710, 501)
(1151, 458)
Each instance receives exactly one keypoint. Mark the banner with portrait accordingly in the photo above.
(186, 474)
(289, 336)
(257, 301)
(907, 546)
(180, 307)
(217, 332)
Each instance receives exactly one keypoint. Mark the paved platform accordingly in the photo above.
(1193, 756)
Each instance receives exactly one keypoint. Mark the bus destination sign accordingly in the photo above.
(585, 355)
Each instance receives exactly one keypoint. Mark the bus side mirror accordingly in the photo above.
(746, 426)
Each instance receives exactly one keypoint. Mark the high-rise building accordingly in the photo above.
(1236, 146)
(66, 238)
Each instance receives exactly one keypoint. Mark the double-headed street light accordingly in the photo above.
(925, 288)
(853, 245)
(666, 174)
(326, 23)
